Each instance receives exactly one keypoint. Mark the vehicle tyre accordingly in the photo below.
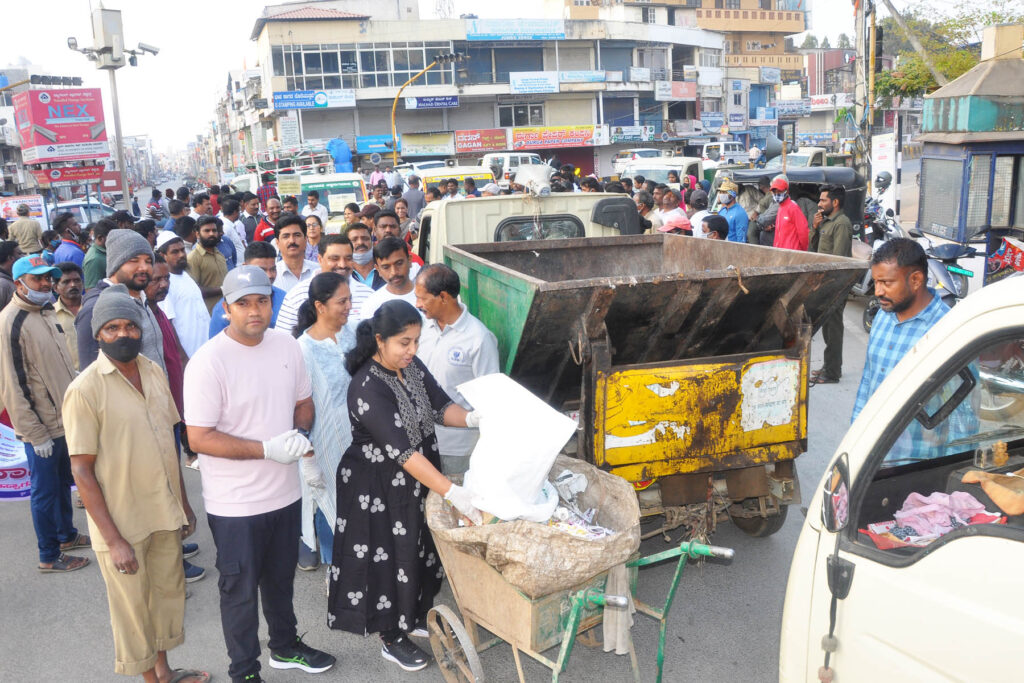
(760, 527)
(870, 311)
(453, 650)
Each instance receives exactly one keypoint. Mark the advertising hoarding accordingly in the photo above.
(632, 133)
(428, 144)
(515, 29)
(9, 207)
(712, 121)
(675, 91)
(435, 102)
(554, 136)
(581, 76)
(61, 125)
(481, 140)
(530, 82)
(67, 175)
(314, 99)
(639, 73)
(381, 144)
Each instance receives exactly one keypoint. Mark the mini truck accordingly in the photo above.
(685, 359)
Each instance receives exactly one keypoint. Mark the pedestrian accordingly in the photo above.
(833, 234)
(627, 185)
(658, 192)
(289, 204)
(26, 231)
(414, 197)
(136, 211)
(265, 228)
(234, 231)
(377, 175)
(469, 185)
(490, 190)
(790, 223)
(364, 268)
(388, 224)
(214, 199)
(35, 371)
(9, 254)
(200, 206)
(409, 228)
(368, 216)
(714, 227)
(730, 209)
(335, 256)
(69, 290)
(94, 264)
(391, 256)
(293, 268)
(130, 263)
(313, 207)
(670, 205)
(378, 197)
(183, 195)
(70, 233)
(764, 184)
(351, 214)
(699, 202)
(264, 257)
(50, 243)
(325, 339)
(154, 208)
(393, 178)
(677, 224)
(123, 219)
(451, 187)
(248, 452)
(266, 190)
(314, 231)
(175, 210)
(250, 215)
(165, 201)
(147, 228)
(120, 417)
(385, 569)
(206, 264)
(648, 215)
(183, 304)
(456, 347)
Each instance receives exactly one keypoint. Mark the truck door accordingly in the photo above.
(933, 595)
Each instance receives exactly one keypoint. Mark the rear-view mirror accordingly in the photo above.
(890, 213)
(835, 501)
(914, 232)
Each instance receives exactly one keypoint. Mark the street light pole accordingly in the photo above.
(439, 59)
(120, 141)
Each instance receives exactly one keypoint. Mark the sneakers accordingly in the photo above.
(309, 560)
(189, 550)
(251, 678)
(405, 654)
(192, 572)
(301, 656)
(419, 630)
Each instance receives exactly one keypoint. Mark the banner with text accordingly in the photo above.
(480, 140)
(14, 474)
(314, 99)
(675, 91)
(531, 82)
(554, 136)
(435, 102)
(515, 29)
(428, 144)
(380, 144)
(581, 76)
(67, 176)
(9, 206)
(632, 133)
(61, 125)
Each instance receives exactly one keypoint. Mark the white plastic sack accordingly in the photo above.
(520, 436)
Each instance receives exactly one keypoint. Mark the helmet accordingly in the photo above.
(883, 181)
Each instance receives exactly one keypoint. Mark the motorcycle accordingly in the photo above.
(948, 254)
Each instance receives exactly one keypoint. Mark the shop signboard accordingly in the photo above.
(314, 99)
(481, 140)
(554, 136)
(675, 91)
(435, 102)
(9, 207)
(581, 76)
(288, 132)
(61, 125)
(771, 75)
(632, 133)
(67, 176)
(428, 144)
(532, 82)
(792, 109)
(737, 121)
(712, 122)
(379, 144)
(515, 29)
(689, 72)
(639, 73)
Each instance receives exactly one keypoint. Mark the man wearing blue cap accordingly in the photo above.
(35, 371)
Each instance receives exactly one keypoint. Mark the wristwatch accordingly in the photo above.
(304, 432)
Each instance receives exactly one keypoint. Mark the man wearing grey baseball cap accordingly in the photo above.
(248, 411)
(120, 416)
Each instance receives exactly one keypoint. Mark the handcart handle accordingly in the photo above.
(688, 548)
(715, 551)
(593, 597)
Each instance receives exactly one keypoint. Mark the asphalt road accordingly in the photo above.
(724, 624)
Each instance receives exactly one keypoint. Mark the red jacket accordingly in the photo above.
(264, 231)
(791, 227)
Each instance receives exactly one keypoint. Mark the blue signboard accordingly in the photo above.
(381, 144)
(515, 29)
(712, 121)
(581, 76)
(436, 102)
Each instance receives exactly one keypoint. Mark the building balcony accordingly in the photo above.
(782, 61)
(759, 20)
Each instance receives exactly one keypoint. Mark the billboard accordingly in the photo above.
(530, 82)
(61, 125)
(581, 76)
(639, 73)
(428, 144)
(712, 121)
(632, 133)
(9, 207)
(435, 102)
(515, 29)
(67, 175)
(554, 136)
(480, 140)
(314, 99)
(675, 91)
(380, 144)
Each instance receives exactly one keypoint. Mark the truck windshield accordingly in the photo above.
(658, 174)
(791, 160)
(522, 228)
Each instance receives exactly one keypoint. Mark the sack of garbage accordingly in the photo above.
(538, 558)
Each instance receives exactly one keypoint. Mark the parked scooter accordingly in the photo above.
(948, 254)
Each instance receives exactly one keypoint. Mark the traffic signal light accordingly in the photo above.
(878, 48)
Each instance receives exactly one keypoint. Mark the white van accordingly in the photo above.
(715, 153)
(504, 164)
(905, 600)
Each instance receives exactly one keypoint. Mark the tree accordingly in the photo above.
(844, 42)
(825, 44)
(810, 41)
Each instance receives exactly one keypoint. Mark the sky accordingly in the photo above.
(172, 96)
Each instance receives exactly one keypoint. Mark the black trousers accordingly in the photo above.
(256, 554)
(832, 333)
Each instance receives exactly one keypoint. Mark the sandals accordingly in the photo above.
(822, 379)
(188, 676)
(80, 541)
(64, 564)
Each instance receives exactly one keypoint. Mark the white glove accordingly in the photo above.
(45, 449)
(473, 419)
(461, 500)
(311, 473)
(286, 447)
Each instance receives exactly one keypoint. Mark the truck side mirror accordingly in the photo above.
(914, 232)
(835, 501)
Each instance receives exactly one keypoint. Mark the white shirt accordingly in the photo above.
(288, 315)
(286, 278)
(378, 299)
(320, 211)
(695, 222)
(462, 351)
(185, 308)
(237, 239)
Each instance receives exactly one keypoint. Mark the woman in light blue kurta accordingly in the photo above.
(325, 338)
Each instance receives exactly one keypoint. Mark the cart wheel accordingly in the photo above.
(759, 527)
(453, 651)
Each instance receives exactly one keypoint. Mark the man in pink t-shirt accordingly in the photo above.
(249, 408)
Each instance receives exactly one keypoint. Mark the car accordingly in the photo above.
(504, 164)
(724, 152)
(628, 155)
(84, 213)
(658, 169)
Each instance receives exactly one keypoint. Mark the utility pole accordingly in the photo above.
(860, 95)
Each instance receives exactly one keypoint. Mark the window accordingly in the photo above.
(737, 99)
(977, 191)
(648, 15)
(511, 115)
(549, 227)
(368, 65)
(732, 4)
(710, 58)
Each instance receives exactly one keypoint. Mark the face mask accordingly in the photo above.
(778, 197)
(723, 198)
(362, 257)
(37, 298)
(122, 349)
(55, 243)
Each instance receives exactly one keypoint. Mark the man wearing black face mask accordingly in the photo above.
(120, 419)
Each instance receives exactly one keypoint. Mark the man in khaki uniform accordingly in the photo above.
(120, 419)
(69, 301)
(831, 233)
(27, 231)
(206, 264)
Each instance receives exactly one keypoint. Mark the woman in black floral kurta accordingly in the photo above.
(385, 570)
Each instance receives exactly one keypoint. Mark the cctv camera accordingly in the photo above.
(73, 43)
(149, 48)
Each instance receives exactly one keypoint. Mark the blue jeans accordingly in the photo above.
(51, 499)
(324, 536)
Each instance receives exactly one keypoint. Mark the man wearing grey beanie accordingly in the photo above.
(129, 263)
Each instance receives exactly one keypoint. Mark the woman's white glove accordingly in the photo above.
(473, 419)
(462, 500)
(286, 447)
(311, 473)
